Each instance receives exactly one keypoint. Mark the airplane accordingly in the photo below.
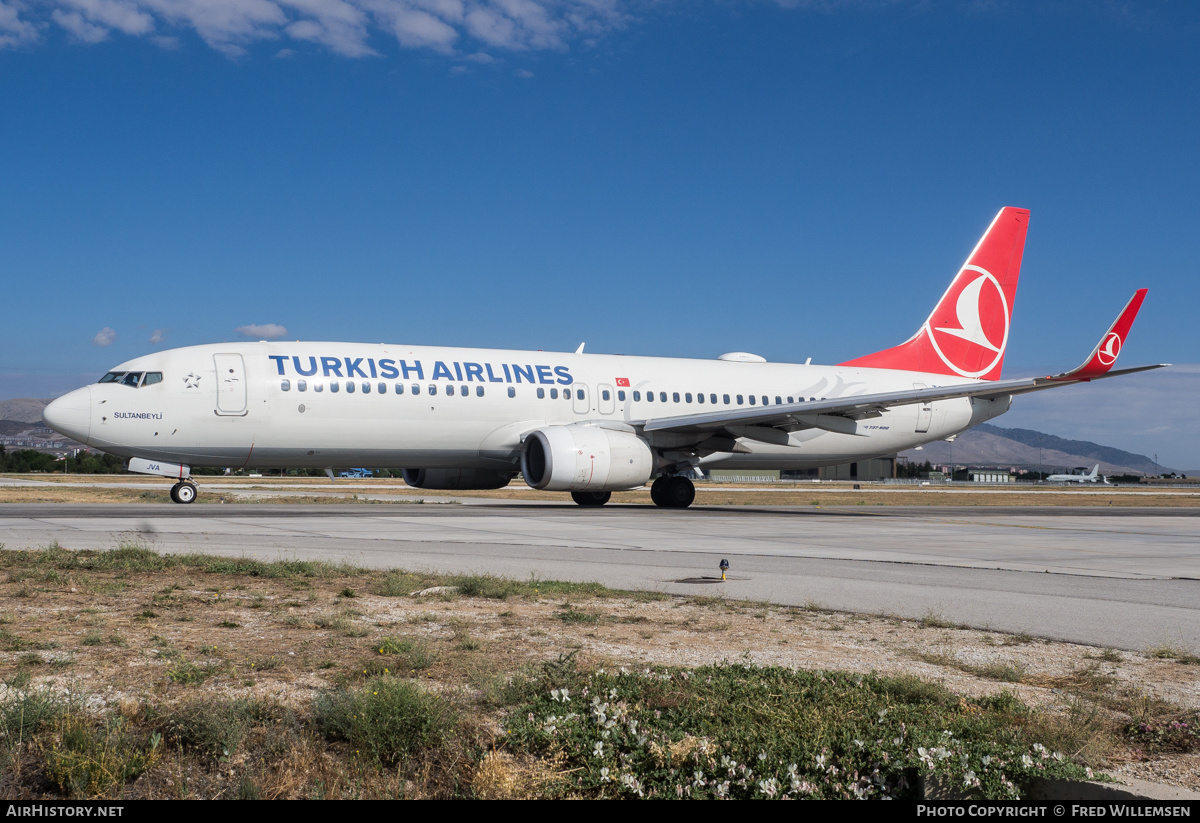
(1082, 477)
(588, 424)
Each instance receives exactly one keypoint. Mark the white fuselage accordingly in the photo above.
(275, 404)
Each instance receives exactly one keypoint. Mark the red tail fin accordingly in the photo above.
(967, 332)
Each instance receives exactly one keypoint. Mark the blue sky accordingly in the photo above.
(664, 177)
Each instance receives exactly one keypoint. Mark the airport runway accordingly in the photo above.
(1125, 578)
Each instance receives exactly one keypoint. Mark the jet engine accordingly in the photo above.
(456, 479)
(585, 458)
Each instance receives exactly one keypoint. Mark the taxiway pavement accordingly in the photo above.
(1123, 578)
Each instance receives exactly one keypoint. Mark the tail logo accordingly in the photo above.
(1109, 349)
(959, 345)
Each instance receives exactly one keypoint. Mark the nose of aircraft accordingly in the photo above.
(71, 414)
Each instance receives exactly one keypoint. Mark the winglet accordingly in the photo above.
(1105, 354)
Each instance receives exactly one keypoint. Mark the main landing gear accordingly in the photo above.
(591, 498)
(184, 492)
(672, 491)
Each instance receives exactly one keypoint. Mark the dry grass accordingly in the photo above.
(148, 643)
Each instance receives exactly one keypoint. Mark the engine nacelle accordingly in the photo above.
(456, 479)
(585, 458)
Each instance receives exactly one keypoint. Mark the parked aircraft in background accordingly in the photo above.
(1081, 477)
(587, 424)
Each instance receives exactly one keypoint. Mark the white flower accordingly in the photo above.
(598, 749)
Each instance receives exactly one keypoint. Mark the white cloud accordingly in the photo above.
(104, 337)
(92, 20)
(262, 331)
(15, 30)
(159, 336)
(346, 27)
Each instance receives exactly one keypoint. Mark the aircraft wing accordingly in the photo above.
(841, 414)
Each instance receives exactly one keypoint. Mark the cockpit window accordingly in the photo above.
(132, 378)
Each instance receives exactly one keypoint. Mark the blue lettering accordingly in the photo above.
(312, 366)
(352, 368)
(507, 376)
(371, 363)
(458, 372)
(518, 371)
(544, 375)
(491, 377)
(440, 370)
(474, 371)
(564, 375)
(331, 366)
(415, 368)
(278, 358)
(387, 369)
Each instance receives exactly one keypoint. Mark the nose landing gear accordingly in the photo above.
(184, 492)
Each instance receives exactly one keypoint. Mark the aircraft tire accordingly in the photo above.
(183, 492)
(678, 492)
(656, 491)
(591, 498)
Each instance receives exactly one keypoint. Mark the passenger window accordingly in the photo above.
(416, 388)
(726, 399)
(605, 394)
(449, 391)
(766, 400)
(399, 388)
(620, 395)
(512, 392)
(580, 393)
(751, 400)
(366, 387)
(688, 397)
(349, 387)
(301, 385)
(649, 397)
(541, 394)
(637, 397)
(712, 398)
(432, 389)
(382, 388)
(662, 396)
(333, 386)
(739, 399)
(675, 396)
(286, 385)
(566, 394)
(554, 394)
(479, 391)
(152, 377)
(318, 387)
(778, 400)
(790, 401)
(464, 391)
